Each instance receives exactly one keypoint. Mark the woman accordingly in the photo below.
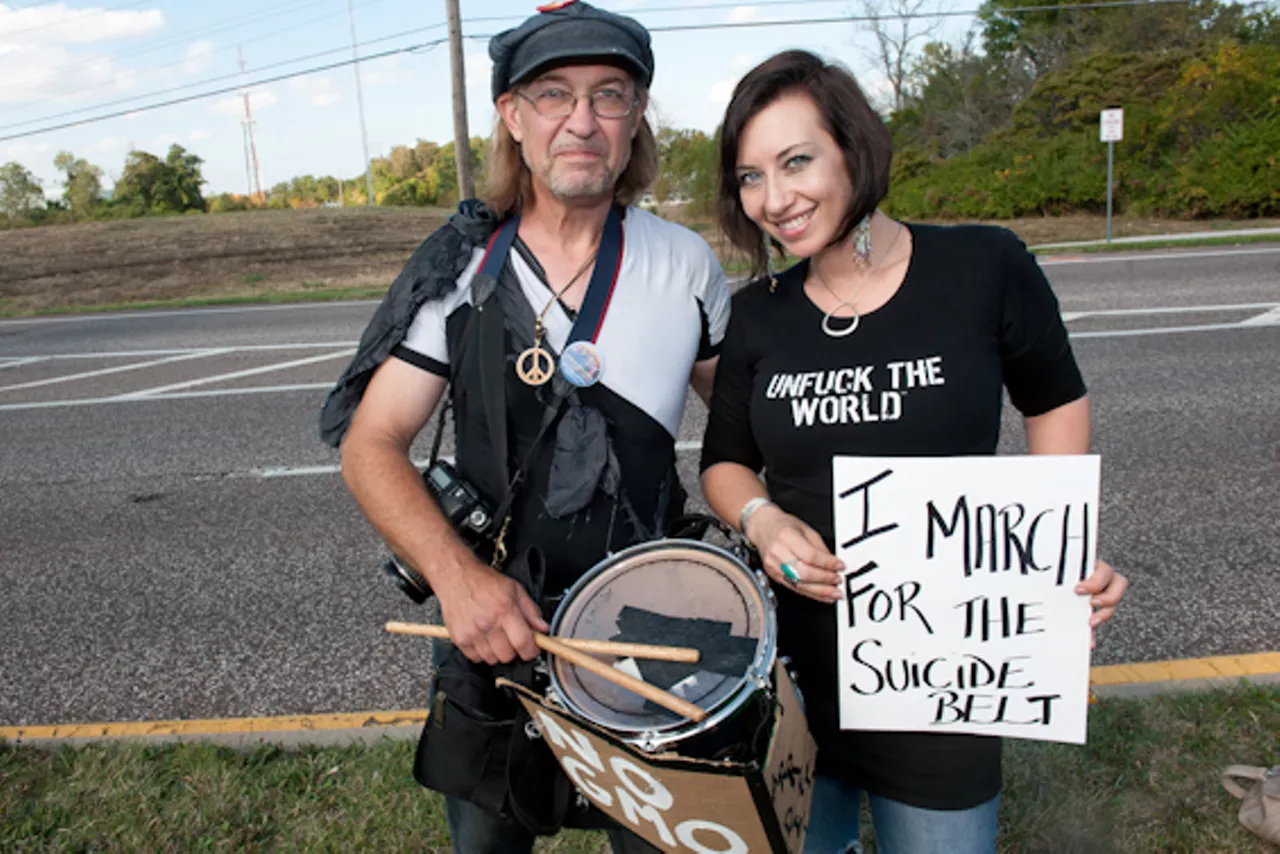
(804, 164)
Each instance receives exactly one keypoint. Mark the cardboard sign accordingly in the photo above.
(686, 804)
(959, 612)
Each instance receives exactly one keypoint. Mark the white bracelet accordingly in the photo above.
(748, 510)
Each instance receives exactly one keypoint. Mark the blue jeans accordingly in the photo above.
(475, 830)
(900, 828)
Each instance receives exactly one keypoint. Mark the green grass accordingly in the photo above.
(314, 292)
(1146, 782)
(1050, 248)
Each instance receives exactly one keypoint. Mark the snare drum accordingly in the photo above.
(674, 593)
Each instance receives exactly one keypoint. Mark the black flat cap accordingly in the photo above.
(566, 34)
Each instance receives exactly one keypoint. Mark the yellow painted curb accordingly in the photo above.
(1229, 666)
(220, 726)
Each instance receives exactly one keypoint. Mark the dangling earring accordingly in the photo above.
(768, 263)
(862, 243)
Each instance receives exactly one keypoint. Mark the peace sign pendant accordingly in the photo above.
(535, 366)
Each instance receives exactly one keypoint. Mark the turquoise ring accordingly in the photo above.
(790, 574)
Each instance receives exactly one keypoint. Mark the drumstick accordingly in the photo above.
(681, 654)
(652, 693)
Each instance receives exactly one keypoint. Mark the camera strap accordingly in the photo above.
(490, 331)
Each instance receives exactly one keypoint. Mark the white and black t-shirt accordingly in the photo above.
(923, 375)
(669, 309)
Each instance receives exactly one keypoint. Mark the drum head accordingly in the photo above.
(671, 593)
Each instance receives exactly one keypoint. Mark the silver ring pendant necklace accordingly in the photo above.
(863, 255)
(842, 332)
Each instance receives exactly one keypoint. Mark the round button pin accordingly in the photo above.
(580, 364)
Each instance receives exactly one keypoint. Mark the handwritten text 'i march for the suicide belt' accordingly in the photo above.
(959, 613)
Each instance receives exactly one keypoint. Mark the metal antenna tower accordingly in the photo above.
(364, 133)
(251, 149)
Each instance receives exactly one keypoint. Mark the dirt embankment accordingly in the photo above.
(249, 254)
(167, 258)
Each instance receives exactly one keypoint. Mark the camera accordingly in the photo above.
(459, 501)
(413, 584)
(466, 511)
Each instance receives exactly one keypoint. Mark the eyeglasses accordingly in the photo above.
(556, 103)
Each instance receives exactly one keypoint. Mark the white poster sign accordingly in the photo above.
(1112, 125)
(959, 613)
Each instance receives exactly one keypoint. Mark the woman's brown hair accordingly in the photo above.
(856, 127)
(509, 185)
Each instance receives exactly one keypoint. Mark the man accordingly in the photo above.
(607, 315)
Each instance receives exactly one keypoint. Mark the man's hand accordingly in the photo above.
(490, 618)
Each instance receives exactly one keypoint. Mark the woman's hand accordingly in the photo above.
(794, 554)
(1106, 588)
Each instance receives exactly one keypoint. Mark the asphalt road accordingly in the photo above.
(175, 542)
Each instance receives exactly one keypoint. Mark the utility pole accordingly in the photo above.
(364, 133)
(251, 148)
(461, 136)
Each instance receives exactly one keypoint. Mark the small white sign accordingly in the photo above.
(959, 613)
(1112, 126)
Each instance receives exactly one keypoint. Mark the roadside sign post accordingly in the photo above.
(1111, 131)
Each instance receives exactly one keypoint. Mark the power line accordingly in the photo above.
(673, 28)
(202, 95)
(87, 13)
(207, 80)
(178, 38)
(853, 19)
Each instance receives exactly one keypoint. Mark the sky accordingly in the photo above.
(63, 62)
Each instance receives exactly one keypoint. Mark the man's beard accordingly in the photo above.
(570, 183)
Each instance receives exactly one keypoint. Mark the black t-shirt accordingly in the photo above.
(921, 376)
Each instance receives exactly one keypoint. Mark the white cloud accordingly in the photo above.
(319, 90)
(199, 134)
(107, 144)
(36, 65)
(742, 13)
(386, 72)
(33, 74)
(25, 151)
(57, 24)
(721, 92)
(259, 99)
(478, 68)
(198, 57)
(744, 60)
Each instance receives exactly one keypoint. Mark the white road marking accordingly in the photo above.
(136, 315)
(182, 395)
(306, 471)
(1269, 318)
(1052, 261)
(235, 375)
(18, 362)
(242, 348)
(1175, 309)
(199, 354)
(1159, 330)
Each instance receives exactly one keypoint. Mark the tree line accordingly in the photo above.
(1002, 124)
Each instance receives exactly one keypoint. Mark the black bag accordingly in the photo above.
(476, 743)
(464, 744)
